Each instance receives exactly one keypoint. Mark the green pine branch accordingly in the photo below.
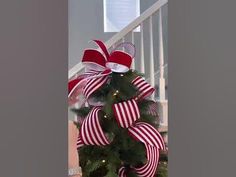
(105, 161)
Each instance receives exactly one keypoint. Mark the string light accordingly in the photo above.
(103, 161)
(117, 91)
(105, 116)
(121, 75)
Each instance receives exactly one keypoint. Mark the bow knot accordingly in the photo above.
(116, 61)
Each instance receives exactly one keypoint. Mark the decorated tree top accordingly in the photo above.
(116, 119)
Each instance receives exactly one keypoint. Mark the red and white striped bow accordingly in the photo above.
(99, 65)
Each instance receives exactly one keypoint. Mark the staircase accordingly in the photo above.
(154, 67)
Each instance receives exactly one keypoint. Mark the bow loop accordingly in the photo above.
(94, 60)
(103, 64)
(117, 61)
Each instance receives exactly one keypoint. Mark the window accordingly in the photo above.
(119, 13)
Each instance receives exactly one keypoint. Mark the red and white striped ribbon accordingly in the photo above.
(149, 169)
(122, 172)
(79, 142)
(126, 113)
(153, 142)
(76, 81)
(144, 88)
(95, 82)
(91, 132)
(91, 73)
(147, 134)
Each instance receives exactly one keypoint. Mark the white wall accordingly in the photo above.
(86, 23)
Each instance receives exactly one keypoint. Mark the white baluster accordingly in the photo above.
(132, 41)
(123, 40)
(162, 99)
(151, 64)
(161, 60)
(142, 66)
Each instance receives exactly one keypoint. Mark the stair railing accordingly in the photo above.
(130, 30)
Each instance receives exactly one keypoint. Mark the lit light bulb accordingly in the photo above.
(117, 91)
(105, 116)
(103, 161)
(122, 75)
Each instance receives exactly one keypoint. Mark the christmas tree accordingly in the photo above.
(118, 123)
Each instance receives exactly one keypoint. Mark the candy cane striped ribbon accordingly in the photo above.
(147, 134)
(91, 73)
(126, 113)
(153, 142)
(121, 172)
(79, 142)
(95, 82)
(79, 81)
(149, 169)
(91, 132)
(144, 88)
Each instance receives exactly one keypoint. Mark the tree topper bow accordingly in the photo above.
(98, 65)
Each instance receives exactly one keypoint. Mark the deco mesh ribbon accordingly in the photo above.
(99, 66)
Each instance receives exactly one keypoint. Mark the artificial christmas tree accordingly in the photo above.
(117, 122)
